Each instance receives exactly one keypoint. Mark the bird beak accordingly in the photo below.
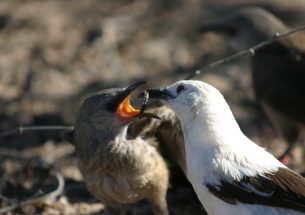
(123, 108)
(159, 93)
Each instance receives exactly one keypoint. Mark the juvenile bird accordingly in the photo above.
(277, 70)
(230, 174)
(117, 169)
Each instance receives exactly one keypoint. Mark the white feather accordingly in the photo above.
(217, 149)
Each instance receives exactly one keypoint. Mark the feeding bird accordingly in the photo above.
(277, 70)
(230, 173)
(117, 169)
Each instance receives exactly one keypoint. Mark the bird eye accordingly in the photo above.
(180, 88)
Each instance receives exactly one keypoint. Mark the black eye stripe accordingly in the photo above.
(180, 88)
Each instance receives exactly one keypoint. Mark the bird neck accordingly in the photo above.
(104, 139)
(121, 135)
(113, 134)
(214, 125)
(214, 141)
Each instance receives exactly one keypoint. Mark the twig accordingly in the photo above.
(13, 154)
(4, 198)
(51, 195)
(23, 129)
(251, 51)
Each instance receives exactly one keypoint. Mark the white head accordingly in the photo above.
(189, 98)
(201, 109)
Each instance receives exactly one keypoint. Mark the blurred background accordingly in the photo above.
(55, 52)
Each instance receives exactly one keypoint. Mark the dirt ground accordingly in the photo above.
(55, 52)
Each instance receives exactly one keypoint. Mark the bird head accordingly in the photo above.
(200, 106)
(186, 98)
(111, 107)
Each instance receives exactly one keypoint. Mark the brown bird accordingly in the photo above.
(118, 169)
(277, 70)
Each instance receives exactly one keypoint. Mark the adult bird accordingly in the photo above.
(118, 169)
(277, 70)
(230, 174)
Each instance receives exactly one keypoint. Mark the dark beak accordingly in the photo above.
(112, 106)
(155, 94)
(131, 88)
(160, 94)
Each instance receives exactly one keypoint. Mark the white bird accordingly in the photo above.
(230, 174)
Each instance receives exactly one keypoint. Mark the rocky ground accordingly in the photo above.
(55, 52)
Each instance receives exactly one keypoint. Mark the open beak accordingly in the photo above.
(123, 108)
(160, 93)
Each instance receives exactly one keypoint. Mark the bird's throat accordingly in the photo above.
(125, 110)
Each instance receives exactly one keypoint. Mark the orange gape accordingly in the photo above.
(125, 110)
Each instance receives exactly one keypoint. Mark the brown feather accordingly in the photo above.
(118, 171)
(283, 188)
(168, 132)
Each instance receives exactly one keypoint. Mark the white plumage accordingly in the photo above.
(219, 156)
